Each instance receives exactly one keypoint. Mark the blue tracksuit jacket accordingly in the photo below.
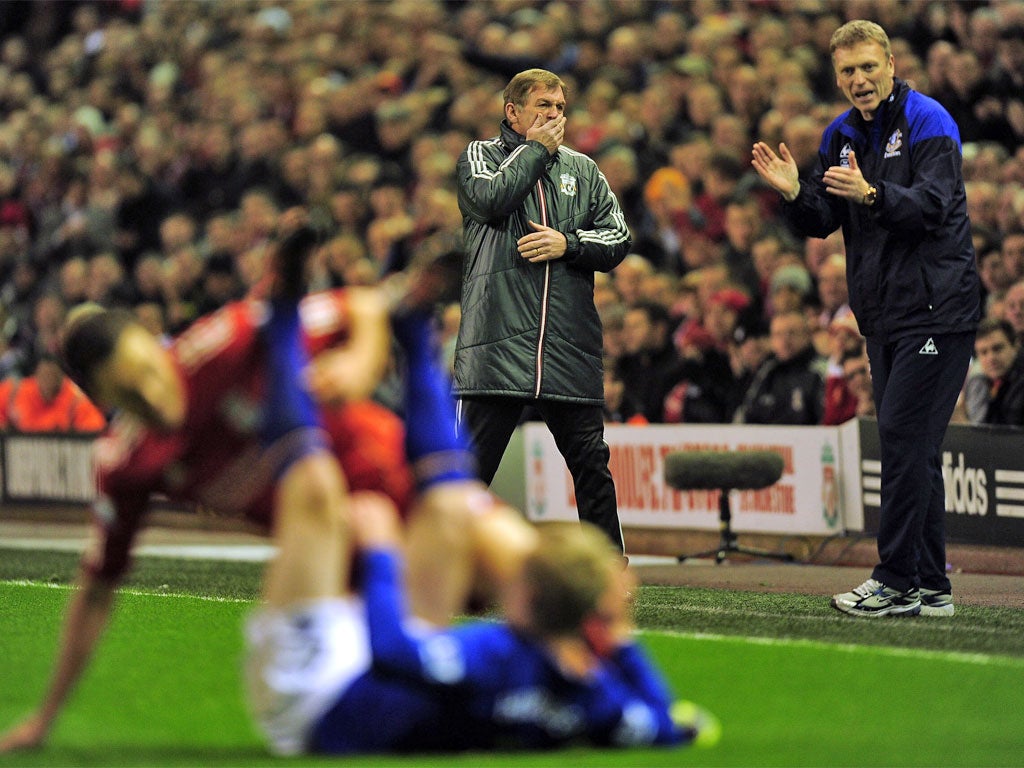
(910, 259)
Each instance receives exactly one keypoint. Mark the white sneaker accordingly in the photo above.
(873, 598)
(936, 602)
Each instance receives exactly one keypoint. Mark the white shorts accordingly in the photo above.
(298, 662)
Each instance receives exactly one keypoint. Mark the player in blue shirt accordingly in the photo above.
(561, 669)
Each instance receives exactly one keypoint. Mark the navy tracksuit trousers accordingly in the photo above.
(916, 382)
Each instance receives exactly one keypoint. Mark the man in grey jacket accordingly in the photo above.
(539, 219)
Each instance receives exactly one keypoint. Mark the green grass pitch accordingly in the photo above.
(792, 684)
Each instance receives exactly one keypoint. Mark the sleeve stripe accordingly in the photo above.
(476, 156)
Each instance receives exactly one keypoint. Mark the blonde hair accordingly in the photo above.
(859, 31)
(567, 575)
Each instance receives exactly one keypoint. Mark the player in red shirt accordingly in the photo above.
(205, 421)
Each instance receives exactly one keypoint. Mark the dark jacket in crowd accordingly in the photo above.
(790, 392)
(648, 376)
(1006, 404)
(532, 330)
(704, 391)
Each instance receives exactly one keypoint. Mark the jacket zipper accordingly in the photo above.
(539, 370)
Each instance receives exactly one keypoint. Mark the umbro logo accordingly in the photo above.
(929, 348)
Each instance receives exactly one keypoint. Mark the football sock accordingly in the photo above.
(288, 404)
(434, 448)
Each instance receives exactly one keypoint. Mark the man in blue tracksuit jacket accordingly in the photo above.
(889, 173)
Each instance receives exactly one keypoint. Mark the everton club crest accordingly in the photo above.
(892, 147)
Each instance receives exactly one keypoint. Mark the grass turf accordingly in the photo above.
(792, 684)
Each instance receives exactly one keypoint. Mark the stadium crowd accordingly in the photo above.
(149, 151)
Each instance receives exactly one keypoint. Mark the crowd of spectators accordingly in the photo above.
(148, 151)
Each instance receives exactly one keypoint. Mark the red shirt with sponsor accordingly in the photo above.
(216, 458)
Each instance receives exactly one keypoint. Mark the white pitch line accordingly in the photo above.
(960, 657)
(250, 553)
(127, 591)
(978, 659)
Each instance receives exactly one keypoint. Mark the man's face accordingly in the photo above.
(995, 354)
(1013, 306)
(49, 377)
(636, 331)
(140, 378)
(789, 336)
(832, 287)
(865, 76)
(857, 373)
(547, 102)
(1013, 255)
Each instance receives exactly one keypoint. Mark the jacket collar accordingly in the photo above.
(509, 138)
(886, 109)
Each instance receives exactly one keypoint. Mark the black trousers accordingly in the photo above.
(579, 434)
(916, 382)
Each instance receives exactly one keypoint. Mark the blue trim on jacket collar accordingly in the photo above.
(852, 125)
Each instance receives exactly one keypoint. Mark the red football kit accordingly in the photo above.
(216, 458)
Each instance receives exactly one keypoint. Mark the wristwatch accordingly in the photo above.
(870, 196)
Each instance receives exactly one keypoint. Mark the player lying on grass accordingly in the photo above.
(561, 669)
(219, 419)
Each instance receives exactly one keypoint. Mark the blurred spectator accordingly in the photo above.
(618, 163)
(982, 203)
(704, 388)
(725, 309)
(620, 405)
(834, 296)
(613, 321)
(215, 178)
(219, 284)
(844, 340)
(73, 281)
(666, 220)
(649, 357)
(629, 277)
(802, 134)
(994, 278)
(789, 387)
(39, 333)
(747, 351)
(817, 249)
(149, 285)
(977, 112)
(742, 224)
(791, 287)
(995, 394)
(719, 183)
(1013, 307)
(105, 282)
(1006, 83)
(1012, 251)
(857, 372)
(48, 401)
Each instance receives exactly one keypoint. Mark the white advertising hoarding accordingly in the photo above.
(807, 499)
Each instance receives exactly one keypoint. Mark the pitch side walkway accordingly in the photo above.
(985, 576)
